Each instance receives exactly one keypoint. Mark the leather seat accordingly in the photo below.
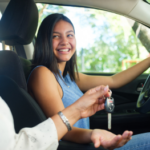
(27, 66)
(13, 87)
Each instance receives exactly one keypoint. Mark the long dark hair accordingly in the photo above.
(43, 53)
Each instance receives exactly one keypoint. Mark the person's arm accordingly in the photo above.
(41, 137)
(44, 87)
(114, 81)
(46, 134)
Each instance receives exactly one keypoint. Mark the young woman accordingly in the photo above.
(55, 82)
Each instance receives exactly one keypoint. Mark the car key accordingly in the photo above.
(109, 107)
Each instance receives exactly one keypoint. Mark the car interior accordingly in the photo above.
(17, 29)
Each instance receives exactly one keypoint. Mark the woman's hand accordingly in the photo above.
(109, 140)
(92, 101)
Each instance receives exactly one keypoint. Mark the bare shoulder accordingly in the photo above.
(43, 87)
(42, 72)
(41, 75)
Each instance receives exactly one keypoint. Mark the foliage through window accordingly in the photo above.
(148, 1)
(106, 42)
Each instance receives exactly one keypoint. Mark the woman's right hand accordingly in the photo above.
(92, 101)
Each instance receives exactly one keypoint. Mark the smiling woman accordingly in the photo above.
(55, 83)
(64, 42)
(107, 43)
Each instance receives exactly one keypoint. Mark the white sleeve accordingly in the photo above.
(41, 137)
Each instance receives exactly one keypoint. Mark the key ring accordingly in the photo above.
(110, 92)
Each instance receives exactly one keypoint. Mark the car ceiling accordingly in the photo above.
(136, 9)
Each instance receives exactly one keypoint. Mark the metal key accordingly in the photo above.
(109, 107)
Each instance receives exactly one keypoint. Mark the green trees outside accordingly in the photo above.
(117, 42)
(115, 39)
(148, 1)
(46, 9)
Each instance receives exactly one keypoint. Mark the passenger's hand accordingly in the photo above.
(92, 101)
(109, 140)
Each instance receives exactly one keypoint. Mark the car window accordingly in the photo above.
(106, 42)
(148, 1)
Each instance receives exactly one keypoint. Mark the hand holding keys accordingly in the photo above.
(109, 107)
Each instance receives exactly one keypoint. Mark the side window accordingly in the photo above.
(106, 42)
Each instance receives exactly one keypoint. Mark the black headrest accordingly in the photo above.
(10, 65)
(19, 22)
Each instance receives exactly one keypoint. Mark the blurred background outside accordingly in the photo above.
(106, 42)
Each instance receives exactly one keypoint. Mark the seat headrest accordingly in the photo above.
(19, 22)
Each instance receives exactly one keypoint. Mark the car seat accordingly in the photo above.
(17, 27)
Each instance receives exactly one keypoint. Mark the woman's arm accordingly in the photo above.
(76, 135)
(46, 134)
(41, 137)
(45, 89)
(86, 82)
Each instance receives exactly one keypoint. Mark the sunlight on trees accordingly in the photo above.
(46, 9)
(148, 1)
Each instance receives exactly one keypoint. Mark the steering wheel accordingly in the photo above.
(143, 102)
